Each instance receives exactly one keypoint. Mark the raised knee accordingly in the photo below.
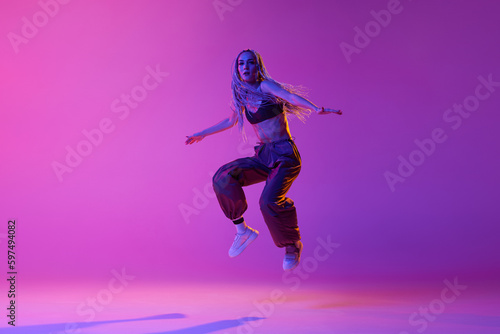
(221, 179)
(218, 180)
(215, 178)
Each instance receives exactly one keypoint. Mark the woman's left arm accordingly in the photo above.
(272, 88)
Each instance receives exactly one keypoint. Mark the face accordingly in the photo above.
(247, 67)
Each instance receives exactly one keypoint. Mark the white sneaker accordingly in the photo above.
(292, 256)
(241, 241)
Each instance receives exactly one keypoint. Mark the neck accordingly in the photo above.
(255, 84)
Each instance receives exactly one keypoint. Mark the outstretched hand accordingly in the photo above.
(193, 139)
(325, 111)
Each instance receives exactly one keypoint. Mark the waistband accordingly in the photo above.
(259, 143)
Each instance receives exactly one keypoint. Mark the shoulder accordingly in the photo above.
(275, 89)
(267, 86)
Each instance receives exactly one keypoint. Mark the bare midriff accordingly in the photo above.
(272, 129)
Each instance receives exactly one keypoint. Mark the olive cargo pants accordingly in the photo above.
(278, 163)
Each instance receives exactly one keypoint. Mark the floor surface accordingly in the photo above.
(220, 307)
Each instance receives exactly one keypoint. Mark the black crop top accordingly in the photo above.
(267, 110)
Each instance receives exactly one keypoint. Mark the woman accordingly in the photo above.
(265, 103)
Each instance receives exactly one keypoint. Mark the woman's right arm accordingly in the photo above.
(219, 127)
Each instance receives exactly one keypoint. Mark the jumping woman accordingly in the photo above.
(265, 103)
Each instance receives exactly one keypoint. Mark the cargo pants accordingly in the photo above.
(278, 164)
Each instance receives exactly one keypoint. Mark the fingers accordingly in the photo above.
(192, 139)
(333, 111)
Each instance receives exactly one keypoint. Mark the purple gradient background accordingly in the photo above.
(120, 207)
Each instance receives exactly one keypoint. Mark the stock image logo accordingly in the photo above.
(31, 26)
(373, 28)
(121, 107)
(429, 313)
(454, 118)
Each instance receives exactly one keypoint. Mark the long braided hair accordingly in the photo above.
(245, 95)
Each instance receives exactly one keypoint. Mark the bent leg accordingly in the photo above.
(229, 180)
(279, 211)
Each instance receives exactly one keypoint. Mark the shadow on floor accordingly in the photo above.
(72, 327)
(211, 326)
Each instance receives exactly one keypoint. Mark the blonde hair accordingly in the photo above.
(246, 95)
